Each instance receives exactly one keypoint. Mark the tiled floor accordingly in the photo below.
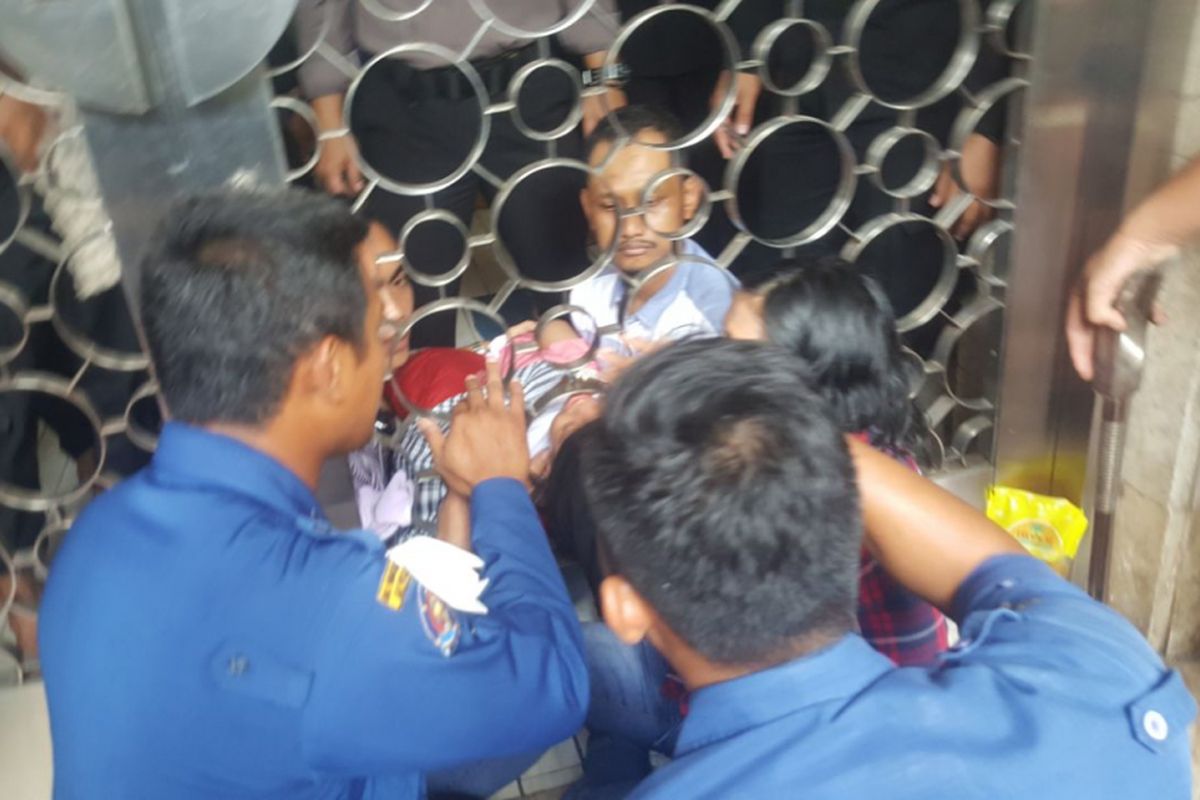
(551, 775)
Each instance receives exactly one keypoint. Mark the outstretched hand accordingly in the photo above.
(1093, 303)
(486, 438)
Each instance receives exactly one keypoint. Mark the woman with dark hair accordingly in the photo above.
(839, 324)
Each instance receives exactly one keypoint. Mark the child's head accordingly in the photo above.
(840, 324)
(726, 510)
(619, 180)
(569, 415)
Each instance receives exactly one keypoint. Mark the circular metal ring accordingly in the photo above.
(491, 17)
(947, 344)
(48, 172)
(425, 278)
(703, 210)
(501, 252)
(968, 120)
(575, 313)
(968, 433)
(26, 499)
(928, 308)
(81, 345)
(46, 545)
(961, 60)
(481, 97)
(729, 50)
(8, 163)
(304, 110)
(378, 9)
(999, 17)
(436, 307)
(326, 21)
(838, 205)
(817, 71)
(926, 175)
(142, 438)
(30, 94)
(12, 300)
(980, 247)
(936, 416)
(514, 95)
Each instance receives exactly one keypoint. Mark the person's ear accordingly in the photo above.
(692, 190)
(624, 610)
(585, 202)
(322, 371)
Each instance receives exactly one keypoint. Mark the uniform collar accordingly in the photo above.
(196, 457)
(726, 709)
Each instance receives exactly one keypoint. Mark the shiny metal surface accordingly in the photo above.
(1069, 188)
(36, 36)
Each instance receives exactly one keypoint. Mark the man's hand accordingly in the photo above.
(980, 168)
(613, 363)
(594, 111)
(21, 127)
(1093, 303)
(741, 118)
(337, 170)
(486, 439)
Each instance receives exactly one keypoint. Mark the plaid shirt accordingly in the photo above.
(892, 619)
(895, 621)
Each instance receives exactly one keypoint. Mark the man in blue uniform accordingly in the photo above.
(206, 634)
(728, 517)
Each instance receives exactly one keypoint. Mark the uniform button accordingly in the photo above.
(238, 665)
(1155, 726)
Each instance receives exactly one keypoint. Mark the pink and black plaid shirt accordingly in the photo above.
(892, 619)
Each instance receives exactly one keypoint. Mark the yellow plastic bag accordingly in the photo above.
(1050, 528)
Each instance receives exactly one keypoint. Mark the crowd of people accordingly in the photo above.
(730, 458)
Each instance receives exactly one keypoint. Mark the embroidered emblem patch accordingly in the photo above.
(393, 586)
(440, 623)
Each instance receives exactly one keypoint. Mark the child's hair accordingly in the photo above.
(633, 120)
(840, 323)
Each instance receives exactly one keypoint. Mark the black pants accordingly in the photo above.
(420, 139)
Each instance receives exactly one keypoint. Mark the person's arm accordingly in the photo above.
(925, 537)
(387, 698)
(22, 125)
(325, 87)
(591, 37)
(1151, 234)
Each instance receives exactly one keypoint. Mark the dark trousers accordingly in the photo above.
(417, 139)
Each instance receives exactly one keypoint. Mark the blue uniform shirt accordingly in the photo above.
(1048, 695)
(206, 634)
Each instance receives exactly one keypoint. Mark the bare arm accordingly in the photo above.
(925, 537)
(1152, 233)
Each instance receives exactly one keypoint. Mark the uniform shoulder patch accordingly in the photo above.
(439, 621)
(393, 586)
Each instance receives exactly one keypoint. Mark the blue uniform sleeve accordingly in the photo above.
(1019, 618)
(402, 684)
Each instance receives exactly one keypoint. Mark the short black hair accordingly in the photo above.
(633, 120)
(840, 324)
(725, 495)
(236, 286)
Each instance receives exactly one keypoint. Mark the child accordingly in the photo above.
(840, 325)
(689, 298)
(409, 498)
